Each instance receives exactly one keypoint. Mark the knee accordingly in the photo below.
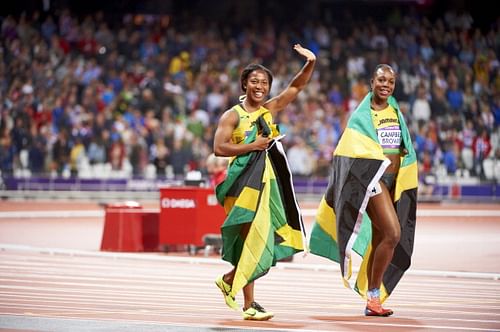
(392, 236)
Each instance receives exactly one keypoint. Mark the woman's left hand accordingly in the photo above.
(305, 52)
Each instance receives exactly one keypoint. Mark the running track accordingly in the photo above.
(453, 284)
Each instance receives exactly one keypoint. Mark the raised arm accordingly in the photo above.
(298, 83)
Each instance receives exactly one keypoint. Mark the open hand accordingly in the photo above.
(305, 52)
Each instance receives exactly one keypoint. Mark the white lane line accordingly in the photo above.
(441, 290)
(305, 213)
(365, 322)
(218, 261)
(423, 298)
(15, 261)
(434, 213)
(77, 320)
(441, 327)
(154, 302)
(131, 268)
(66, 213)
(52, 214)
(65, 308)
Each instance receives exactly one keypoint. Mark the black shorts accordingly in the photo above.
(389, 179)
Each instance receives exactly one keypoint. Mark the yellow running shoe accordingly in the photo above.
(226, 291)
(256, 312)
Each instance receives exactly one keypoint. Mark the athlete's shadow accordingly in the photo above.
(270, 324)
(363, 323)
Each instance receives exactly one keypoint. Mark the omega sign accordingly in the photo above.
(178, 203)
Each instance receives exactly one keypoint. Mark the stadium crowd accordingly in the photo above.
(141, 95)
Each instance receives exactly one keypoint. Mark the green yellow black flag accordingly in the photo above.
(342, 227)
(258, 190)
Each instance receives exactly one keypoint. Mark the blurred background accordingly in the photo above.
(123, 97)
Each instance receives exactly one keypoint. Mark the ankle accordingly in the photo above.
(248, 305)
(373, 293)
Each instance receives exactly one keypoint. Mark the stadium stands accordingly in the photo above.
(143, 93)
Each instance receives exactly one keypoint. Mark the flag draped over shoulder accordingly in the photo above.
(342, 227)
(258, 190)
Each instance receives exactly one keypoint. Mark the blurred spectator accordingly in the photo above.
(182, 160)
(454, 95)
(97, 150)
(216, 169)
(468, 134)
(137, 152)
(101, 77)
(77, 154)
(37, 153)
(60, 153)
(438, 104)
(427, 178)
(117, 154)
(421, 110)
(161, 155)
(300, 158)
(481, 147)
(7, 155)
(450, 159)
(20, 134)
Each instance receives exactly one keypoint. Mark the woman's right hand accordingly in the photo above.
(261, 143)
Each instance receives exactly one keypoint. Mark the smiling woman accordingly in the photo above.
(247, 129)
(369, 206)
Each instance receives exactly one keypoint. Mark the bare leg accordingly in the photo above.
(229, 277)
(376, 239)
(251, 309)
(248, 290)
(248, 295)
(386, 234)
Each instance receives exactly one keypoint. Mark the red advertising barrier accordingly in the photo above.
(129, 227)
(187, 215)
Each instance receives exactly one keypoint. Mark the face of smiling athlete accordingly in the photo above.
(383, 83)
(257, 87)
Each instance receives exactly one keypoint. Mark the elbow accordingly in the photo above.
(218, 152)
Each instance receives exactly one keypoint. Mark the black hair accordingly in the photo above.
(250, 68)
(384, 67)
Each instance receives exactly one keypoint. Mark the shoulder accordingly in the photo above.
(364, 104)
(263, 109)
(271, 106)
(231, 115)
(393, 102)
(232, 110)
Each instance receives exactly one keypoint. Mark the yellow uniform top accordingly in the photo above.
(386, 124)
(246, 122)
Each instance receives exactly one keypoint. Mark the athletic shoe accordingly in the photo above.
(374, 308)
(256, 312)
(226, 291)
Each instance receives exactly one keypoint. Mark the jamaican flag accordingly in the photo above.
(342, 227)
(258, 193)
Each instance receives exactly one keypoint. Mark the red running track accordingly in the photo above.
(52, 277)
